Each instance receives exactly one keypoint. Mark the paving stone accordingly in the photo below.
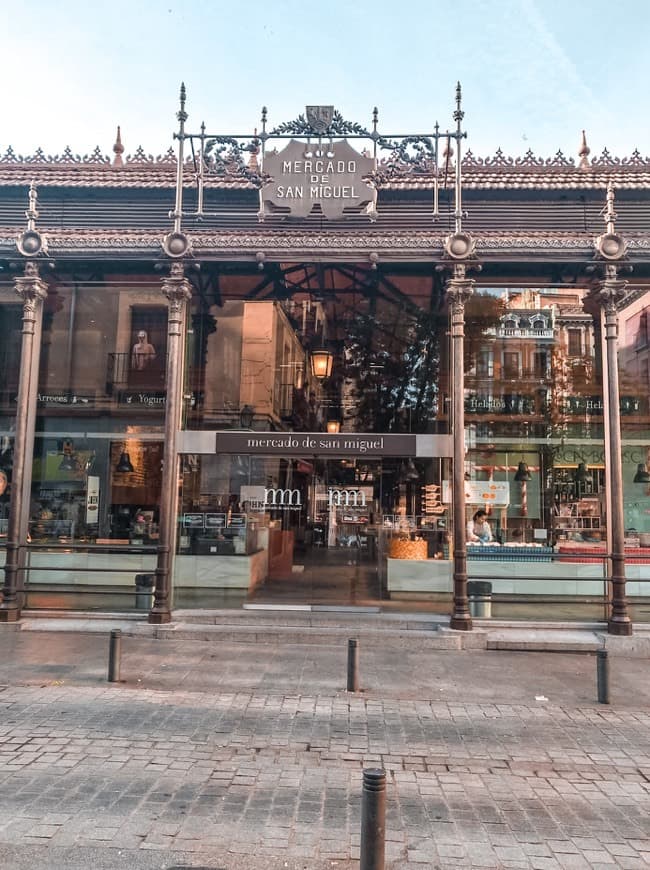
(250, 763)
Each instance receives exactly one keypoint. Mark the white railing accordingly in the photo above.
(505, 332)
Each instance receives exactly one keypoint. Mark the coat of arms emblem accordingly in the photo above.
(319, 118)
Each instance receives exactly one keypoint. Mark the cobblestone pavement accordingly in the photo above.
(238, 756)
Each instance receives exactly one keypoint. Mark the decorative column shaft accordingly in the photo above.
(177, 290)
(610, 292)
(33, 291)
(459, 289)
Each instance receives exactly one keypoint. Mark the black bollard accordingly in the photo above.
(602, 671)
(114, 654)
(373, 819)
(353, 665)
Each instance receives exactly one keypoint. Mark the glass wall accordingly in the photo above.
(338, 350)
(300, 524)
(634, 362)
(96, 475)
(534, 413)
(534, 416)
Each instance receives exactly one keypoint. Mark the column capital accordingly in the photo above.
(609, 292)
(459, 286)
(30, 286)
(176, 287)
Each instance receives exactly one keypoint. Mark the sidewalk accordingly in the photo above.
(241, 755)
(326, 625)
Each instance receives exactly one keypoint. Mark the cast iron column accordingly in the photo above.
(33, 291)
(459, 289)
(177, 290)
(607, 296)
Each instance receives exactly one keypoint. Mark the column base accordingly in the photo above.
(620, 627)
(9, 614)
(159, 617)
(461, 623)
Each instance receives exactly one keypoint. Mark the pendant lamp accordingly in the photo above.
(246, 416)
(124, 466)
(642, 475)
(581, 475)
(523, 472)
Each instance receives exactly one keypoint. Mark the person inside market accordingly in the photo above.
(478, 529)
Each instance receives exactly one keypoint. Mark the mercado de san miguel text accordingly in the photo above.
(318, 364)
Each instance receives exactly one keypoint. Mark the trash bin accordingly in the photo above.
(144, 586)
(479, 593)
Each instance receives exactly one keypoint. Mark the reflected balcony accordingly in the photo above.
(124, 373)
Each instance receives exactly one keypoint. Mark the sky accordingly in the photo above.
(534, 73)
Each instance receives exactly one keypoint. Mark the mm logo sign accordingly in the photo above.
(282, 498)
(346, 498)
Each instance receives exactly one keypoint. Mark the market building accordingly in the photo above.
(290, 368)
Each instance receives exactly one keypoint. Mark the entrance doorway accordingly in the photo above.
(312, 529)
(330, 551)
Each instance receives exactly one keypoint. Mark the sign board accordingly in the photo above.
(495, 493)
(215, 521)
(92, 500)
(331, 175)
(301, 444)
(193, 521)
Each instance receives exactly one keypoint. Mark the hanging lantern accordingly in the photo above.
(523, 472)
(246, 416)
(581, 475)
(124, 466)
(333, 427)
(642, 475)
(321, 363)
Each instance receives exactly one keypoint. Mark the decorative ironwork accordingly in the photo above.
(529, 159)
(636, 159)
(499, 159)
(140, 156)
(351, 241)
(560, 160)
(337, 127)
(605, 159)
(224, 157)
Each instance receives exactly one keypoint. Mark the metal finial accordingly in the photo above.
(610, 214)
(182, 114)
(264, 114)
(30, 243)
(584, 152)
(32, 213)
(459, 114)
